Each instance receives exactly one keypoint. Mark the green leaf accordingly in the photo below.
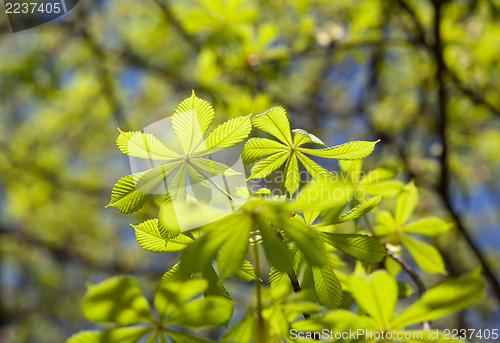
(199, 185)
(235, 247)
(265, 167)
(120, 335)
(306, 239)
(406, 202)
(277, 278)
(430, 226)
(226, 135)
(168, 225)
(171, 273)
(246, 273)
(348, 151)
(202, 251)
(276, 251)
(364, 248)
(241, 332)
(214, 311)
(215, 286)
(425, 255)
(352, 168)
(144, 145)
(183, 337)
(213, 167)
(448, 297)
(387, 188)
(376, 294)
(117, 300)
(361, 209)
(149, 238)
(172, 294)
(131, 192)
(292, 178)
(257, 148)
(327, 286)
(275, 122)
(312, 167)
(303, 137)
(191, 120)
(177, 188)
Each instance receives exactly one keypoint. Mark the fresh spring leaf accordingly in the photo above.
(190, 122)
(149, 238)
(363, 248)
(327, 286)
(376, 294)
(288, 151)
(117, 300)
(406, 202)
(448, 297)
(360, 210)
(425, 255)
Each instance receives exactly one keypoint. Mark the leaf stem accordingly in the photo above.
(414, 276)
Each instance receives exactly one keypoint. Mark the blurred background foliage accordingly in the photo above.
(423, 76)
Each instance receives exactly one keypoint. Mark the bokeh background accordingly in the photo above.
(421, 75)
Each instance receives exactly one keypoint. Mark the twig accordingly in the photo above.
(414, 276)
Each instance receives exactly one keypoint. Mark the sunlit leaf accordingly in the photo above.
(425, 255)
(376, 294)
(448, 297)
(348, 151)
(275, 122)
(364, 248)
(144, 145)
(327, 286)
(117, 300)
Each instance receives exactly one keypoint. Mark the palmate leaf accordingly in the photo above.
(288, 150)
(190, 122)
(172, 294)
(144, 145)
